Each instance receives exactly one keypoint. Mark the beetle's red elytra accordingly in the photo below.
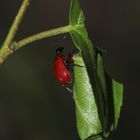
(61, 70)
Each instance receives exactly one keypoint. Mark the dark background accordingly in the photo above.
(33, 106)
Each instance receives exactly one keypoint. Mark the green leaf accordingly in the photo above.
(76, 14)
(118, 98)
(102, 78)
(98, 98)
(101, 73)
(113, 92)
(89, 54)
(88, 122)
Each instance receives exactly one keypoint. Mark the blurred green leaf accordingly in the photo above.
(113, 92)
(118, 98)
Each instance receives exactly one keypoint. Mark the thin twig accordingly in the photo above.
(42, 35)
(12, 32)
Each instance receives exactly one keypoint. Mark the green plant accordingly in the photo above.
(98, 98)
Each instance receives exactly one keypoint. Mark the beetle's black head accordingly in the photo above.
(59, 50)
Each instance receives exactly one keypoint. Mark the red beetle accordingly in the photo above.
(61, 70)
(63, 67)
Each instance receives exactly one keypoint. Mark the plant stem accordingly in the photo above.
(13, 29)
(9, 46)
(16, 23)
(6, 51)
(42, 35)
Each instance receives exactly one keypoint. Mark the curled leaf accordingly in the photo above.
(88, 122)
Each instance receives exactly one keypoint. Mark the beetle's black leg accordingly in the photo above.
(81, 66)
(68, 89)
